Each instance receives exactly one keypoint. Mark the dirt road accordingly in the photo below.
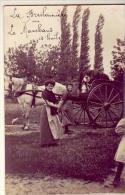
(16, 185)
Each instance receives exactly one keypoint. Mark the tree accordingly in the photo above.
(9, 61)
(84, 54)
(64, 70)
(75, 58)
(118, 62)
(52, 63)
(27, 60)
(20, 61)
(98, 59)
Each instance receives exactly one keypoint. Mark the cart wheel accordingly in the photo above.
(105, 105)
(80, 113)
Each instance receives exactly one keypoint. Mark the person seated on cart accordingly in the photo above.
(97, 74)
(66, 108)
(92, 78)
(85, 84)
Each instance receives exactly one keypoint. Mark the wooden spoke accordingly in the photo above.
(92, 113)
(111, 117)
(96, 103)
(110, 94)
(101, 95)
(115, 103)
(114, 107)
(80, 115)
(98, 98)
(106, 93)
(95, 108)
(114, 98)
(97, 115)
(114, 113)
(99, 119)
(77, 111)
(106, 118)
(84, 116)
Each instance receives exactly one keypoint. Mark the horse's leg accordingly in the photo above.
(27, 113)
(22, 106)
(14, 120)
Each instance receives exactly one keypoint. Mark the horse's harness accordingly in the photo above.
(32, 92)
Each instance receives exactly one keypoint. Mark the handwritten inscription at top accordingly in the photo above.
(15, 14)
(32, 21)
(32, 14)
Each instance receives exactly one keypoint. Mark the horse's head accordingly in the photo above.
(14, 85)
(6, 85)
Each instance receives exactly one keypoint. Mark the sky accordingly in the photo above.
(22, 23)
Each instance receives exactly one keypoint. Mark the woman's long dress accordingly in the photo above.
(50, 126)
(120, 154)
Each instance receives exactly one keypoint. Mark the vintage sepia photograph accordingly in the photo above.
(64, 86)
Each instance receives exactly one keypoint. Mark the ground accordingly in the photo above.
(82, 163)
(18, 183)
(15, 185)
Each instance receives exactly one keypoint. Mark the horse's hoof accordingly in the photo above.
(26, 128)
(14, 121)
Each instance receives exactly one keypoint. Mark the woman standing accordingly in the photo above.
(50, 125)
(120, 154)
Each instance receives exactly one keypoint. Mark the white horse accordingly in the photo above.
(31, 93)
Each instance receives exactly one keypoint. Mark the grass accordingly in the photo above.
(13, 110)
(88, 156)
(85, 156)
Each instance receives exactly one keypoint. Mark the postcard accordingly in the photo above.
(63, 97)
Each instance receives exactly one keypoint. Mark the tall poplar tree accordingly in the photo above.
(75, 45)
(64, 70)
(84, 54)
(98, 58)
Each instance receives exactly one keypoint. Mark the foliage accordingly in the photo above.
(27, 60)
(51, 63)
(75, 58)
(64, 70)
(20, 61)
(118, 61)
(84, 54)
(98, 59)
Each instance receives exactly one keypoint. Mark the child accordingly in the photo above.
(120, 154)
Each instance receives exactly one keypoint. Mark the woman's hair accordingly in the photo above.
(52, 82)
